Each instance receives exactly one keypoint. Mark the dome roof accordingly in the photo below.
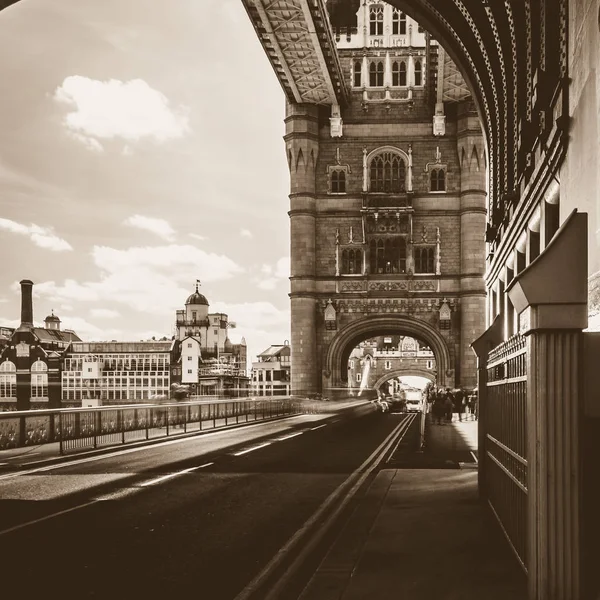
(52, 317)
(228, 345)
(197, 298)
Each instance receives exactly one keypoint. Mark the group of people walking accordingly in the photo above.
(445, 403)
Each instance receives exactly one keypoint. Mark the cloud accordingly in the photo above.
(246, 233)
(129, 110)
(149, 279)
(104, 313)
(43, 237)
(198, 237)
(275, 275)
(159, 227)
(87, 331)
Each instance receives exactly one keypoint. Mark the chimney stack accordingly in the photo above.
(26, 303)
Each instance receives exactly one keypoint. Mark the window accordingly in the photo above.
(387, 173)
(420, 29)
(376, 73)
(189, 357)
(358, 377)
(398, 23)
(424, 259)
(418, 73)
(352, 364)
(193, 315)
(8, 380)
(430, 364)
(438, 180)
(357, 78)
(39, 379)
(189, 345)
(398, 73)
(388, 364)
(376, 20)
(388, 255)
(352, 261)
(189, 371)
(338, 181)
(216, 332)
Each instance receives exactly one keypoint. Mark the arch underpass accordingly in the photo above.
(399, 373)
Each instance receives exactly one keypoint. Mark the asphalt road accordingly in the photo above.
(197, 517)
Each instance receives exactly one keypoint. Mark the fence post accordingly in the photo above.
(167, 419)
(60, 441)
(148, 423)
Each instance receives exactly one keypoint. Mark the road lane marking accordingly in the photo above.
(88, 459)
(171, 475)
(339, 498)
(251, 449)
(41, 519)
(319, 427)
(287, 437)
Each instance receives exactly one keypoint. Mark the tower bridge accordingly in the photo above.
(444, 185)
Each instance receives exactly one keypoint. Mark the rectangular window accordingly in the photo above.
(388, 364)
(190, 371)
(358, 377)
(216, 332)
(190, 357)
(189, 345)
(357, 76)
(424, 259)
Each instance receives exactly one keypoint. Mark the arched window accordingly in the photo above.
(8, 380)
(424, 259)
(398, 23)
(438, 180)
(387, 173)
(376, 20)
(399, 73)
(388, 255)
(352, 261)
(418, 73)
(39, 379)
(357, 73)
(338, 181)
(376, 73)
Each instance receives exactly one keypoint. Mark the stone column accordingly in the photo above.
(472, 243)
(302, 147)
(552, 313)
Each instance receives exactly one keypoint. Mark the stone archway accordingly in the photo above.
(347, 338)
(429, 375)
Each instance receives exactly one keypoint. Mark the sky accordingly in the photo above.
(142, 150)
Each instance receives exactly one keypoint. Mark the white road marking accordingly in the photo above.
(62, 512)
(474, 457)
(287, 437)
(81, 461)
(251, 449)
(171, 475)
(319, 427)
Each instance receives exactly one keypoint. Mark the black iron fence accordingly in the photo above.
(506, 440)
(87, 428)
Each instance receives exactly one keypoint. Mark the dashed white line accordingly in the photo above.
(319, 427)
(287, 437)
(251, 449)
(171, 475)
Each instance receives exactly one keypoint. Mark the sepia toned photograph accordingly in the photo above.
(300, 299)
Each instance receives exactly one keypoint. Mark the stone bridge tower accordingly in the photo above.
(387, 207)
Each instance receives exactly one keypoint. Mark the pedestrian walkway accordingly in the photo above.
(422, 534)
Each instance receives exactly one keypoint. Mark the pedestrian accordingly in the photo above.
(438, 409)
(448, 405)
(459, 403)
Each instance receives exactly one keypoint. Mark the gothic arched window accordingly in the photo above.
(338, 181)
(424, 258)
(398, 73)
(387, 173)
(388, 255)
(376, 73)
(357, 73)
(376, 20)
(352, 261)
(398, 23)
(418, 73)
(39, 379)
(438, 180)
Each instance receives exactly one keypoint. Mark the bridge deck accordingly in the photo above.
(422, 533)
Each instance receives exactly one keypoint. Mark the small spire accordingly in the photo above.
(197, 285)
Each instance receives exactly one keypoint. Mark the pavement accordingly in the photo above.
(421, 532)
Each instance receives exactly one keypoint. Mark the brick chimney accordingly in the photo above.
(26, 303)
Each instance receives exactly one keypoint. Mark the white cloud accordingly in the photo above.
(87, 331)
(159, 227)
(130, 110)
(198, 237)
(104, 313)
(246, 233)
(149, 279)
(276, 274)
(43, 237)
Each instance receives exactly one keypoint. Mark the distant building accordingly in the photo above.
(31, 360)
(271, 373)
(205, 358)
(101, 373)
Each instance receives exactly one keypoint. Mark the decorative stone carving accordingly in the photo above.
(352, 286)
(439, 120)
(335, 121)
(330, 316)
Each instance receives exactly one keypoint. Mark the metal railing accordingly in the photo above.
(88, 428)
(506, 440)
